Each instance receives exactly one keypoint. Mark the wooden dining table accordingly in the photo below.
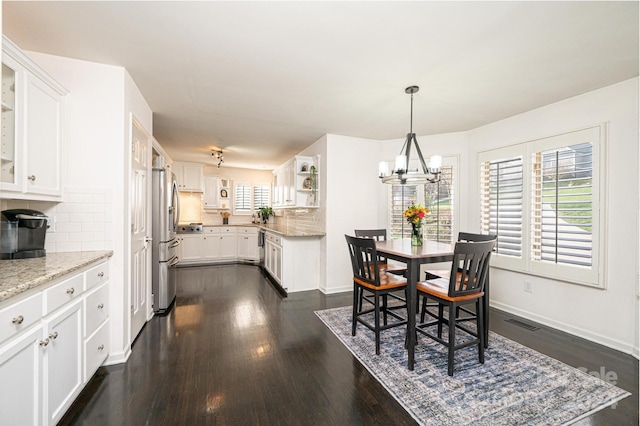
(401, 250)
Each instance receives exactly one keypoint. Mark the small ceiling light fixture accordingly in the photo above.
(401, 174)
(217, 154)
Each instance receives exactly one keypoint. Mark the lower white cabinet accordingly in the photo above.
(248, 243)
(190, 247)
(21, 378)
(273, 255)
(52, 340)
(220, 244)
(293, 262)
(228, 246)
(62, 346)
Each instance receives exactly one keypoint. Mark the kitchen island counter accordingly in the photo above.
(20, 275)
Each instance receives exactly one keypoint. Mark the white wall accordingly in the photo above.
(96, 168)
(352, 200)
(605, 316)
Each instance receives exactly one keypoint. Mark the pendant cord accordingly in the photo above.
(411, 121)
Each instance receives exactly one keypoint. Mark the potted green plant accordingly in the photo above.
(264, 213)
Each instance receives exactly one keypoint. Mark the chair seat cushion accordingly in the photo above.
(439, 288)
(387, 281)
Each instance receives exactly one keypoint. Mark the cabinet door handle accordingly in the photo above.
(100, 306)
(44, 342)
(101, 274)
(101, 347)
(32, 178)
(18, 319)
(53, 335)
(71, 290)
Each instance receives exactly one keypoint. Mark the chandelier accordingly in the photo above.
(217, 155)
(401, 174)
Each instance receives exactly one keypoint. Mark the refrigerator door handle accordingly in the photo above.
(174, 262)
(175, 243)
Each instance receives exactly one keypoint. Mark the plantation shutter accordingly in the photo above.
(502, 203)
(242, 198)
(438, 198)
(261, 195)
(562, 205)
(402, 196)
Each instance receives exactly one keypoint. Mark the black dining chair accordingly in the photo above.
(379, 235)
(429, 275)
(371, 276)
(464, 286)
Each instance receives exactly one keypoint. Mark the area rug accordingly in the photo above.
(515, 386)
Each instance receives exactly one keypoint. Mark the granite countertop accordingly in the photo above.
(284, 230)
(20, 275)
(292, 231)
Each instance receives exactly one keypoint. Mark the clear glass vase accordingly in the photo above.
(416, 234)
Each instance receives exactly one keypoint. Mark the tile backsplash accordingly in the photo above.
(82, 223)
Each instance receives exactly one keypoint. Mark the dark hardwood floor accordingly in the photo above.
(234, 352)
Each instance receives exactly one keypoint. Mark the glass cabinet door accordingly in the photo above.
(8, 143)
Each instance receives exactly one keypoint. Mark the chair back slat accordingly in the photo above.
(470, 267)
(364, 259)
(376, 234)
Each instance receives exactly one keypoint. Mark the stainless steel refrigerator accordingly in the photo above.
(166, 211)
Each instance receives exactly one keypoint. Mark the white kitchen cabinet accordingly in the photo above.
(295, 185)
(293, 262)
(21, 362)
(32, 129)
(211, 192)
(306, 181)
(273, 255)
(247, 248)
(211, 245)
(190, 247)
(228, 243)
(189, 176)
(284, 193)
(43, 352)
(62, 360)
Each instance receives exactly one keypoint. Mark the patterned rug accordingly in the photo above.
(515, 386)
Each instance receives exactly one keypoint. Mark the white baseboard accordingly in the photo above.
(576, 331)
(119, 357)
(334, 290)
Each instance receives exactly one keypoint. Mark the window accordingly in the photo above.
(402, 196)
(437, 197)
(501, 189)
(250, 197)
(541, 199)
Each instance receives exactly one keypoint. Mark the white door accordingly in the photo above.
(140, 194)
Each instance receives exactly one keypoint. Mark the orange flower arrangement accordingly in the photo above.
(415, 214)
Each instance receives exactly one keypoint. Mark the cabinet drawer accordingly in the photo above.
(226, 229)
(275, 239)
(210, 230)
(248, 230)
(96, 309)
(20, 315)
(96, 349)
(97, 275)
(62, 293)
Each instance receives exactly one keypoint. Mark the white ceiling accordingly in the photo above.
(263, 80)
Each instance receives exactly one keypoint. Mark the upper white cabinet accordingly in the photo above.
(296, 183)
(216, 193)
(189, 176)
(32, 129)
(211, 192)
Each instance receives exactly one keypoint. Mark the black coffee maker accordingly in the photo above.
(22, 234)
